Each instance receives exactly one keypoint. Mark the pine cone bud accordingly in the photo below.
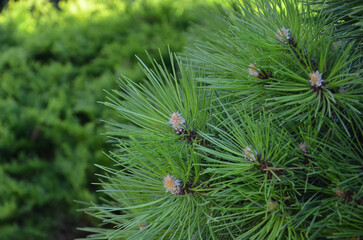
(173, 185)
(315, 79)
(283, 34)
(177, 122)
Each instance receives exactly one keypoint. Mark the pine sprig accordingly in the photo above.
(258, 136)
(151, 106)
(283, 53)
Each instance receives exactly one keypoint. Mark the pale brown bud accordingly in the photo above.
(173, 185)
(177, 122)
(253, 71)
(283, 34)
(315, 79)
(303, 147)
(250, 156)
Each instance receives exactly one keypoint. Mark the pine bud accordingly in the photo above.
(177, 122)
(252, 70)
(272, 205)
(339, 193)
(142, 225)
(249, 154)
(303, 147)
(173, 185)
(283, 34)
(315, 79)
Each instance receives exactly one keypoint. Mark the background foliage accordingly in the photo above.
(54, 63)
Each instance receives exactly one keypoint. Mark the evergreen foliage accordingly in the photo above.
(257, 136)
(53, 63)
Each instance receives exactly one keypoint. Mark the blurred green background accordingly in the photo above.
(56, 58)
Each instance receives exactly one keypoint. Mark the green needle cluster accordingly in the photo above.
(255, 133)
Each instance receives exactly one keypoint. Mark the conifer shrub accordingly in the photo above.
(53, 63)
(255, 134)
